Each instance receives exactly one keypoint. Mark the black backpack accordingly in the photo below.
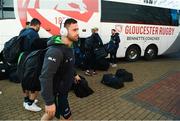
(88, 44)
(82, 89)
(111, 47)
(112, 81)
(30, 69)
(125, 75)
(12, 74)
(3, 72)
(12, 49)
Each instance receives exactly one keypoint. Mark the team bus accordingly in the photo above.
(146, 27)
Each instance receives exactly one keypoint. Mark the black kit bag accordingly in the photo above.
(3, 71)
(102, 64)
(88, 44)
(82, 89)
(122, 73)
(12, 49)
(112, 81)
(100, 53)
(12, 74)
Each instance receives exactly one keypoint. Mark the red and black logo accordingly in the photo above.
(81, 10)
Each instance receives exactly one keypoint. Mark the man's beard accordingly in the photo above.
(72, 39)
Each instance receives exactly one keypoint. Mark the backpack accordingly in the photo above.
(30, 69)
(111, 47)
(12, 74)
(122, 73)
(112, 81)
(88, 44)
(100, 53)
(12, 49)
(3, 72)
(82, 89)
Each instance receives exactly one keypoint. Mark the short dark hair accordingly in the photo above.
(27, 23)
(69, 21)
(113, 30)
(35, 21)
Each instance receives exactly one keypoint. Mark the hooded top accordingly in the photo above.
(57, 72)
(30, 36)
(115, 39)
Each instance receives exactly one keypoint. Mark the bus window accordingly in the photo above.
(174, 17)
(7, 9)
(138, 14)
(1, 12)
(179, 16)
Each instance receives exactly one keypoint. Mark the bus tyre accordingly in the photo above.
(132, 54)
(150, 53)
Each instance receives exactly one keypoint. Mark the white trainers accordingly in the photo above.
(32, 107)
(36, 101)
(114, 65)
(25, 103)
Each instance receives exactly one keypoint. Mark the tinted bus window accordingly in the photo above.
(179, 17)
(7, 9)
(132, 13)
(1, 3)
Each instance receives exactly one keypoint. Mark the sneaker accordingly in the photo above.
(88, 73)
(36, 101)
(94, 73)
(32, 107)
(25, 103)
(114, 65)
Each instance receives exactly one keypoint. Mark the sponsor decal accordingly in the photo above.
(149, 30)
(81, 10)
(119, 28)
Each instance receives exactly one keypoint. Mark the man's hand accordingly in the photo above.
(50, 110)
(77, 79)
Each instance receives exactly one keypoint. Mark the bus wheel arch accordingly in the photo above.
(151, 52)
(133, 53)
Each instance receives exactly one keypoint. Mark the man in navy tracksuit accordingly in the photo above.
(114, 42)
(31, 43)
(57, 74)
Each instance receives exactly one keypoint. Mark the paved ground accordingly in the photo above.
(153, 95)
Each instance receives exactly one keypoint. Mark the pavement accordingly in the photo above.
(153, 95)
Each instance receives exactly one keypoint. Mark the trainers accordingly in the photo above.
(32, 107)
(114, 65)
(25, 103)
(88, 73)
(36, 101)
(94, 73)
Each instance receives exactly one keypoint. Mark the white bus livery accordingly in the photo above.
(146, 27)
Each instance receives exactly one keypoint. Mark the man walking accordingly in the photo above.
(57, 73)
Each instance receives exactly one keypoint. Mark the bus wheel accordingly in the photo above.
(150, 52)
(132, 53)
